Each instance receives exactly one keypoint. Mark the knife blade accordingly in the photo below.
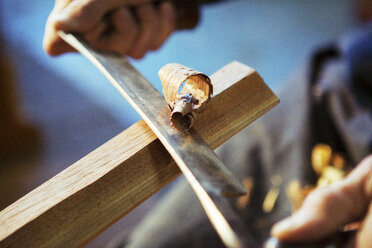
(194, 157)
(202, 168)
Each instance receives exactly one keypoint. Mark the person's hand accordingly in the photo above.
(127, 27)
(328, 209)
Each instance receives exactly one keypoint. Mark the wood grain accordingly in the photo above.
(90, 195)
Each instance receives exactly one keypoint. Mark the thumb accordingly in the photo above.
(327, 209)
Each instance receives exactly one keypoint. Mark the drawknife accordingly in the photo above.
(205, 172)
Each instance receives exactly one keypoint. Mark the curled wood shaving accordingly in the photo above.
(186, 91)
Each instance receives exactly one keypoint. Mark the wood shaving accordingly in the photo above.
(186, 92)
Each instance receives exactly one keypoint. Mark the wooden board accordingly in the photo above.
(86, 198)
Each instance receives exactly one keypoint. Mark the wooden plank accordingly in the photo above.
(90, 195)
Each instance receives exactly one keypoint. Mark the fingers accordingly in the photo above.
(111, 25)
(149, 27)
(167, 24)
(327, 209)
(121, 38)
(82, 16)
(156, 25)
(144, 30)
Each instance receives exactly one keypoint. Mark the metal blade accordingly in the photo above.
(202, 168)
(194, 157)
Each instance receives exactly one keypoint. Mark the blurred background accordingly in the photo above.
(64, 108)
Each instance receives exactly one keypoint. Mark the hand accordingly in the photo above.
(127, 27)
(326, 210)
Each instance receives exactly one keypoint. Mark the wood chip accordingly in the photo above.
(186, 91)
